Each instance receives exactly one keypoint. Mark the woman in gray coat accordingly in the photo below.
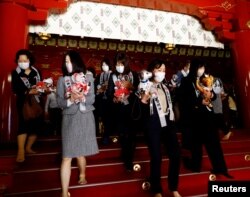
(75, 95)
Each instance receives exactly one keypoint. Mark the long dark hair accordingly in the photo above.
(121, 57)
(77, 63)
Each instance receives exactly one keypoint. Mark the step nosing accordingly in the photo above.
(75, 167)
(111, 164)
(115, 182)
(102, 150)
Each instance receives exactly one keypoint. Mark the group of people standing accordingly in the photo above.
(113, 92)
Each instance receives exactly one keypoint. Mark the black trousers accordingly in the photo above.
(156, 136)
(55, 116)
(205, 133)
(126, 133)
(221, 123)
(106, 114)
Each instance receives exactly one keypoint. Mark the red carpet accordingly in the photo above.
(39, 174)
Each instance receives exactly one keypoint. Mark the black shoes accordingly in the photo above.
(225, 174)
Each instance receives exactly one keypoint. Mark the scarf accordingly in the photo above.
(155, 100)
(104, 79)
(26, 81)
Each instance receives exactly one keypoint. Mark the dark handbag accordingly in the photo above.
(31, 108)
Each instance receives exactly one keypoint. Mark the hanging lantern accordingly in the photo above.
(169, 46)
(44, 36)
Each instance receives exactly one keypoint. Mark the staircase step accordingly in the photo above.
(43, 160)
(38, 179)
(39, 175)
(133, 187)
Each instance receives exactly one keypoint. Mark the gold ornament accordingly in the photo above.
(248, 24)
(247, 157)
(115, 140)
(212, 177)
(146, 185)
(137, 167)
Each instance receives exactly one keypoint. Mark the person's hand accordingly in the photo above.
(145, 97)
(102, 89)
(77, 96)
(206, 102)
(47, 90)
(33, 91)
(118, 99)
(46, 115)
(208, 94)
(223, 96)
(127, 84)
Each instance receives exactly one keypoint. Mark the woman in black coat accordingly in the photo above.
(24, 78)
(159, 119)
(121, 92)
(198, 123)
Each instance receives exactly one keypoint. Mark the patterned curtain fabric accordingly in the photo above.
(87, 19)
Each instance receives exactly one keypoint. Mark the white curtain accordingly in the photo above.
(87, 19)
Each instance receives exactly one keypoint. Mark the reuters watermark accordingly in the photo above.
(229, 188)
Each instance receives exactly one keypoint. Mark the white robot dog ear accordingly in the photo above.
(141, 74)
(150, 74)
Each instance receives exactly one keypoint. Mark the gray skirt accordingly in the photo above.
(79, 135)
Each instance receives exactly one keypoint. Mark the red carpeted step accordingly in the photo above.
(53, 160)
(38, 179)
(108, 155)
(106, 175)
(191, 184)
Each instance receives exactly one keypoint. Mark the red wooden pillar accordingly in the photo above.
(242, 59)
(13, 36)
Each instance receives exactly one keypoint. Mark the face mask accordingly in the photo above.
(69, 67)
(159, 76)
(217, 90)
(200, 72)
(105, 67)
(24, 65)
(120, 69)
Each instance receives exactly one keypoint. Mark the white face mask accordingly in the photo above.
(120, 69)
(200, 72)
(69, 67)
(105, 67)
(159, 76)
(24, 65)
(217, 90)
